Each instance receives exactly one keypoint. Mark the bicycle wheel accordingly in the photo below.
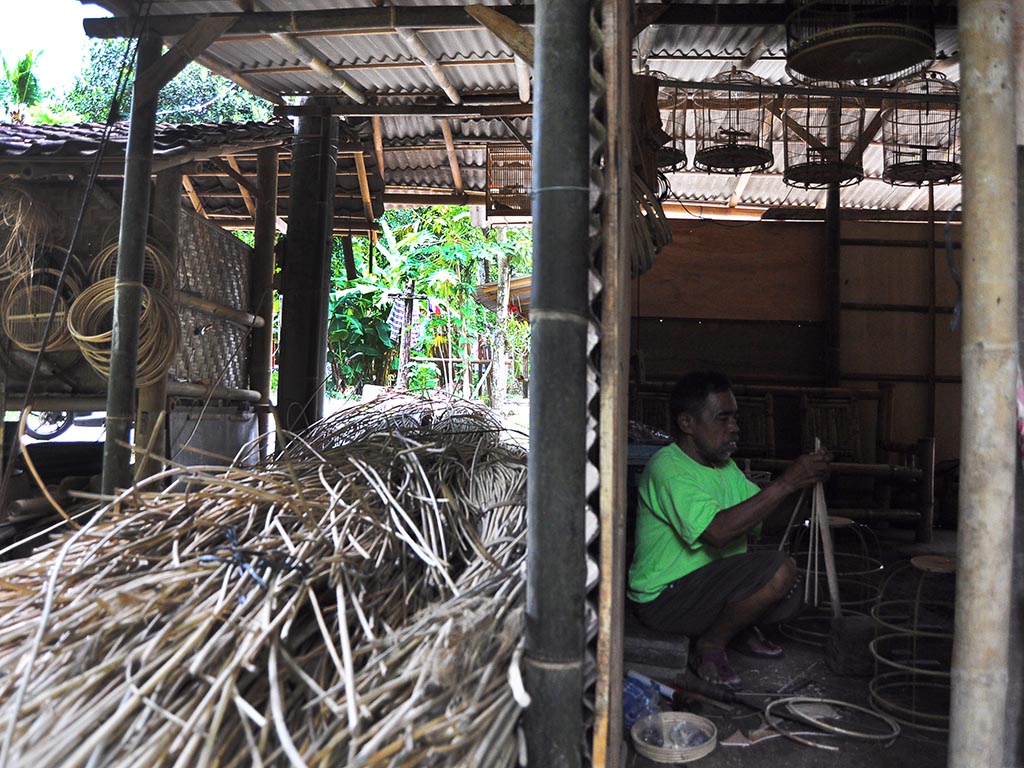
(46, 425)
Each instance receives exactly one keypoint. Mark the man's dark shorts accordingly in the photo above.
(689, 605)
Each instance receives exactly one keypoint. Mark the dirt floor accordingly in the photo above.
(805, 671)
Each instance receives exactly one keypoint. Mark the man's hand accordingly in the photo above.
(807, 470)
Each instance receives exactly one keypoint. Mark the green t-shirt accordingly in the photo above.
(679, 497)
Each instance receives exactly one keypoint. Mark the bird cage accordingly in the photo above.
(921, 137)
(865, 41)
(821, 139)
(509, 180)
(671, 156)
(733, 126)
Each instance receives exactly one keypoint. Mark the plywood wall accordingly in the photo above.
(750, 299)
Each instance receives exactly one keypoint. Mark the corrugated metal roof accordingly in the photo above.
(382, 67)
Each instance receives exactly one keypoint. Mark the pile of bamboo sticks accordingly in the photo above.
(357, 600)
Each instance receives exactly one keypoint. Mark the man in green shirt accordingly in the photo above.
(691, 572)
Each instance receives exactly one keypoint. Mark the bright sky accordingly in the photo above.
(53, 27)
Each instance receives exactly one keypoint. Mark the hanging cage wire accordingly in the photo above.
(860, 41)
(509, 180)
(672, 101)
(733, 128)
(921, 137)
(821, 137)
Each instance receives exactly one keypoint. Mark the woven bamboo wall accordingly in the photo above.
(214, 265)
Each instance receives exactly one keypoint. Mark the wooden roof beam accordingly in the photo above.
(737, 189)
(506, 29)
(378, 143)
(247, 189)
(304, 22)
(420, 51)
(208, 153)
(190, 190)
(191, 44)
(304, 52)
(364, 187)
(435, 110)
(453, 158)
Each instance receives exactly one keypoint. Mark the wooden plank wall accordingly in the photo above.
(749, 299)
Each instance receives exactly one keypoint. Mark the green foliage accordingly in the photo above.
(439, 252)
(195, 96)
(21, 86)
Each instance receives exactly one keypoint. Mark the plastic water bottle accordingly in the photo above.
(640, 697)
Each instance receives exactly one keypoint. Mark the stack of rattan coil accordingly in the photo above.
(158, 272)
(32, 296)
(90, 319)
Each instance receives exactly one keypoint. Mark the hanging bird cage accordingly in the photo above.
(671, 156)
(821, 137)
(733, 128)
(509, 180)
(865, 41)
(921, 137)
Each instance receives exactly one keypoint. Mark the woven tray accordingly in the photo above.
(662, 723)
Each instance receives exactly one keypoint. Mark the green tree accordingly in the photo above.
(439, 251)
(20, 87)
(195, 95)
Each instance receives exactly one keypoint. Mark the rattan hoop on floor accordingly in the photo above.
(90, 322)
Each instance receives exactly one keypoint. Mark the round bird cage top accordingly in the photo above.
(733, 128)
(921, 138)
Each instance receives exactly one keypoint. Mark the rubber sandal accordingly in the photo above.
(751, 642)
(712, 665)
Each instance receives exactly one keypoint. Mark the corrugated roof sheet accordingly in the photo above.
(380, 64)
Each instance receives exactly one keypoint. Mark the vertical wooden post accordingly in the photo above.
(832, 293)
(261, 363)
(405, 340)
(499, 369)
(128, 280)
(615, 306)
(931, 313)
(153, 398)
(307, 273)
(990, 355)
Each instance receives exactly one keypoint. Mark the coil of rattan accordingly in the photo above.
(158, 272)
(27, 303)
(90, 323)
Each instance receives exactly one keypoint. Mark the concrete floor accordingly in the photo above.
(806, 666)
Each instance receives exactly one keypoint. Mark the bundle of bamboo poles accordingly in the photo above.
(357, 600)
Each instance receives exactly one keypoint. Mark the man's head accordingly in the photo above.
(703, 409)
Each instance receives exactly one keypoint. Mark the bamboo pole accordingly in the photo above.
(617, 217)
(128, 288)
(990, 365)
(554, 658)
(261, 363)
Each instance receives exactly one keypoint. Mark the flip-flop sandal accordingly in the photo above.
(751, 642)
(712, 666)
